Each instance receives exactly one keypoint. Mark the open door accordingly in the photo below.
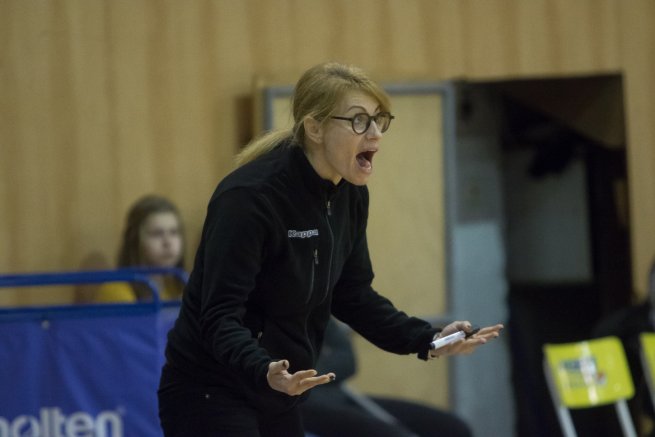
(540, 220)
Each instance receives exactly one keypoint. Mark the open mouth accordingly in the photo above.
(365, 159)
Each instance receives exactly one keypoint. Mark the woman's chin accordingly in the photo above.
(360, 177)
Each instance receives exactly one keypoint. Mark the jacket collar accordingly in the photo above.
(315, 184)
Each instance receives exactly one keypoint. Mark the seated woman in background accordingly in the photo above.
(153, 237)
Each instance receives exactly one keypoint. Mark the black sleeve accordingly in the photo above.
(373, 316)
(235, 234)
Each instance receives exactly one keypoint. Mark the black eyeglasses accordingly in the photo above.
(362, 121)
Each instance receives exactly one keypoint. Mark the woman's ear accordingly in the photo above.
(313, 130)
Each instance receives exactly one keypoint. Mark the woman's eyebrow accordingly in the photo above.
(377, 109)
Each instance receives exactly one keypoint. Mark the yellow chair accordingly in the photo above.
(587, 374)
(647, 353)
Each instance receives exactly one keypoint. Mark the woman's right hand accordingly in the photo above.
(294, 384)
(468, 345)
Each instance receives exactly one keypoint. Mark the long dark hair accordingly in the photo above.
(129, 254)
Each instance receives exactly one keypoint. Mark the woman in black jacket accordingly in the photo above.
(283, 247)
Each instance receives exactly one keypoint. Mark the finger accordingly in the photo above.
(469, 347)
(474, 330)
(313, 381)
(278, 366)
(485, 336)
(491, 329)
(489, 332)
(304, 374)
(299, 386)
(464, 325)
(455, 326)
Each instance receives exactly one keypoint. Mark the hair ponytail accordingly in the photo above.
(261, 145)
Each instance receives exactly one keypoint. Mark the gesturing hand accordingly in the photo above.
(294, 384)
(467, 346)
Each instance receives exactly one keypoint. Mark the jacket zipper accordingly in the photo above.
(327, 219)
(311, 281)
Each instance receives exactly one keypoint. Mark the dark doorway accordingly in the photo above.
(567, 235)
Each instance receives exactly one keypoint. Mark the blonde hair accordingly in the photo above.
(316, 95)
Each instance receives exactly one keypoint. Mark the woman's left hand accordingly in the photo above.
(468, 345)
(294, 384)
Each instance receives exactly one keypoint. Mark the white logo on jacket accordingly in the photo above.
(303, 234)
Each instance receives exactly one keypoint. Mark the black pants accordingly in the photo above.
(189, 409)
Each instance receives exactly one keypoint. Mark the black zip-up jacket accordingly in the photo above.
(281, 249)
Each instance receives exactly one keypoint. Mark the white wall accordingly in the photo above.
(548, 235)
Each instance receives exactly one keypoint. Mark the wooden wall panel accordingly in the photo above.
(103, 101)
(637, 48)
(407, 242)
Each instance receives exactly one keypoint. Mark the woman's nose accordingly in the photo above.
(373, 130)
(167, 240)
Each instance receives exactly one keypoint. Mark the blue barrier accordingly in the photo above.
(83, 370)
